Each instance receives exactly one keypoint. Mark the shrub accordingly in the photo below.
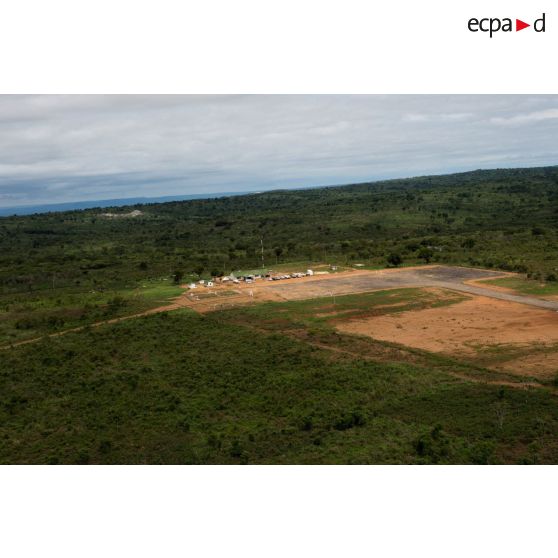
(482, 453)
(307, 423)
(394, 259)
(184, 425)
(349, 420)
(433, 446)
(105, 446)
(82, 458)
(236, 449)
(426, 254)
(116, 303)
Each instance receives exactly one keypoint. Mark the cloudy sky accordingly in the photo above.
(79, 147)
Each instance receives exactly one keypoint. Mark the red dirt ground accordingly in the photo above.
(478, 328)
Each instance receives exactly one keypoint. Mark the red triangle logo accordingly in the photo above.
(519, 25)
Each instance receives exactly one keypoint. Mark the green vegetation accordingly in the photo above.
(29, 315)
(504, 219)
(315, 321)
(61, 270)
(270, 383)
(526, 286)
(180, 388)
(322, 312)
(295, 266)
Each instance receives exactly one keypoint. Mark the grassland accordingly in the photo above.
(27, 316)
(524, 285)
(321, 312)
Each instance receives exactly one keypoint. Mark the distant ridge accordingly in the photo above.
(461, 177)
(118, 202)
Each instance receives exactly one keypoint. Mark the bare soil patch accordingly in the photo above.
(468, 328)
(543, 365)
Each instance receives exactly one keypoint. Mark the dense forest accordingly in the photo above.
(504, 219)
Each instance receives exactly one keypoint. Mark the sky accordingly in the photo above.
(56, 148)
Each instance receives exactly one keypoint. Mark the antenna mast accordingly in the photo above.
(263, 266)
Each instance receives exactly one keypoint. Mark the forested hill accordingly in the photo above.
(506, 219)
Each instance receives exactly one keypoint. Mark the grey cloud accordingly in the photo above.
(527, 118)
(81, 147)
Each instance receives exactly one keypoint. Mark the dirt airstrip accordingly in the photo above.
(495, 328)
(446, 277)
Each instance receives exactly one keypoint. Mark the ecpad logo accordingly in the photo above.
(493, 25)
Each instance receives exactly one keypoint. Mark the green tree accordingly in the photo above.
(469, 243)
(426, 254)
(394, 259)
